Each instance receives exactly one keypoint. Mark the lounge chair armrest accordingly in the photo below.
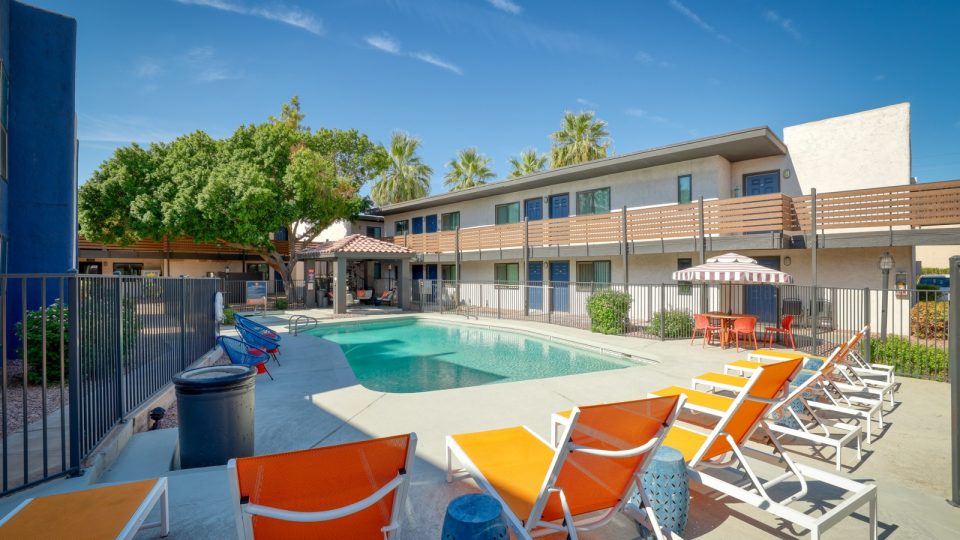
(324, 515)
(630, 452)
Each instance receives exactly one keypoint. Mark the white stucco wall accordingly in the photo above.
(937, 256)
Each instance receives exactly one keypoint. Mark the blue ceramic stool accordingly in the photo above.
(474, 517)
(668, 489)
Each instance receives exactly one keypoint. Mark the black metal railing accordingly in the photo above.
(256, 296)
(914, 338)
(101, 346)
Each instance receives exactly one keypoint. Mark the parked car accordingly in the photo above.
(935, 282)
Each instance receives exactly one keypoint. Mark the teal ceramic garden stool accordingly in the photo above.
(666, 484)
(474, 517)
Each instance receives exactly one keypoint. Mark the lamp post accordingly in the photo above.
(886, 264)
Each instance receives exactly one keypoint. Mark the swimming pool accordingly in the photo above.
(409, 355)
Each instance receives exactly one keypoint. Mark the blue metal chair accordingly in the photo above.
(260, 341)
(257, 327)
(245, 354)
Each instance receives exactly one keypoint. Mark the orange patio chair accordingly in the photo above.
(353, 490)
(579, 485)
(785, 329)
(746, 327)
(701, 323)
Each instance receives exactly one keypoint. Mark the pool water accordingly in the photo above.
(406, 356)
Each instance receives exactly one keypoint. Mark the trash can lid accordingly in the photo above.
(214, 377)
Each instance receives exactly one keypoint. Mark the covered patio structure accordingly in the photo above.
(355, 248)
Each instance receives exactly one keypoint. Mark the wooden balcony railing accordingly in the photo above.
(935, 203)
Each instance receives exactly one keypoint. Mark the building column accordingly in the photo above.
(404, 282)
(340, 285)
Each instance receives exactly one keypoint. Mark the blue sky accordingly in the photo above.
(498, 74)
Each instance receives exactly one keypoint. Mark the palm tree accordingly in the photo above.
(529, 162)
(406, 177)
(469, 169)
(581, 138)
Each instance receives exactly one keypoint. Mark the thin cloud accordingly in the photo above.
(148, 68)
(507, 6)
(587, 103)
(786, 24)
(384, 43)
(648, 59)
(435, 61)
(206, 67)
(121, 129)
(879, 77)
(642, 114)
(292, 16)
(695, 19)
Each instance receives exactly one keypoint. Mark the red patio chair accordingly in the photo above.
(785, 328)
(702, 324)
(746, 327)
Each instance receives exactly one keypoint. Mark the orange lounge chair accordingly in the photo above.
(545, 489)
(109, 511)
(353, 490)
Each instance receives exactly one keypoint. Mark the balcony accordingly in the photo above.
(866, 217)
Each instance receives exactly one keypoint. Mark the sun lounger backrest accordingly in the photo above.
(323, 479)
(611, 427)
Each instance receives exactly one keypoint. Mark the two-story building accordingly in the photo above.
(638, 217)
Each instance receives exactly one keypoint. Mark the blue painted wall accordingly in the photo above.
(40, 51)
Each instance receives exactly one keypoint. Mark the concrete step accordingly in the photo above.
(148, 454)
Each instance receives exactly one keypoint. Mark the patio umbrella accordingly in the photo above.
(732, 268)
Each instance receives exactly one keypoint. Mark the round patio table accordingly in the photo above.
(726, 321)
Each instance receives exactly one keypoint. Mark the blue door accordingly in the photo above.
(761, 184)
(432, 223)
(533, 209)
(560, 280)
(761, 300)
(417, 271)
(417, 225)
(432, 276)
(535, 281)
(432, 272)
(559, 206)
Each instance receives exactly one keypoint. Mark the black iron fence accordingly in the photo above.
(909, 330)
(258, 296)
(92, 350)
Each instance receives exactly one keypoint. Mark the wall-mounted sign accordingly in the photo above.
(256, 292)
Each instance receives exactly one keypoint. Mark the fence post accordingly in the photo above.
(118, 339)
(867, 346)
(953, 343)
(815, 305)
(76, 363)
(421, 297)
(183, 321)
(499, 293)
(663, 311)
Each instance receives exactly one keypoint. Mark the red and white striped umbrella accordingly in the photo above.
(732, 268)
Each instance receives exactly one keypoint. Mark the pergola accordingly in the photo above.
(357, 247)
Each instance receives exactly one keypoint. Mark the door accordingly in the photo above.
(533, 209)
(559, 206)
(535, 282)
(417, 225)
(560, 281)
(761, 183)
(431, 291)
(432, 223)
(761, 300)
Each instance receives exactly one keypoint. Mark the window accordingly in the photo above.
(508, 213)
(261, 270)
(281, 234)
(448, 272)
(418, 225)
(88, 267)
(374, 232)
(684, 287)
(450, 221)
(684, 189)
(401, 228)
(432, 223)
(127, 269)
(594, 201)
(592, 273)
(377, 271)
(506, 274)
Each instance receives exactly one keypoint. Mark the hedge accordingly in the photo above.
(608, 311)
(676, 323)
(911, 359)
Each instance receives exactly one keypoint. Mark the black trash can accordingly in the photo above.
(215, 413)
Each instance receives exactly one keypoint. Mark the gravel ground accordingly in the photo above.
(14, 395)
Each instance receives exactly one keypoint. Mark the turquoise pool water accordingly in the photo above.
(416, 356)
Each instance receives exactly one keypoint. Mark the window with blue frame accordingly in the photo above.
(432, 223)
(417, 225)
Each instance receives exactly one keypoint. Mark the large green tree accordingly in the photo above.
(469, 169)
(529, 162)
(237, 191)
(406, 176)
(581, 138)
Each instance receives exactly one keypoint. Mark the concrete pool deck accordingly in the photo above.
(316, 401)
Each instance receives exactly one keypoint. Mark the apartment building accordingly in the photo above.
(636, 218)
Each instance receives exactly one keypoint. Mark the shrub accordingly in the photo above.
(925, 271)
(229, 317)
(676, 323)
(912, 359)
(280, 303)
(35, 340)
(929, 319)
(608, 311)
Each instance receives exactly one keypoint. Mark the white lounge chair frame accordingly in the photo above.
(157, 494)
(244, 512)
(866, 369)
(535, 526)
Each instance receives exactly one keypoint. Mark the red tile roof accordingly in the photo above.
(355, 243)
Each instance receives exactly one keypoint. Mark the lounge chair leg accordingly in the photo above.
(164, 514)
(873, 517)
(449, 465)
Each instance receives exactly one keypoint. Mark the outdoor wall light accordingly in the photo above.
(787, 260)
(886, 261)
(786, 173)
